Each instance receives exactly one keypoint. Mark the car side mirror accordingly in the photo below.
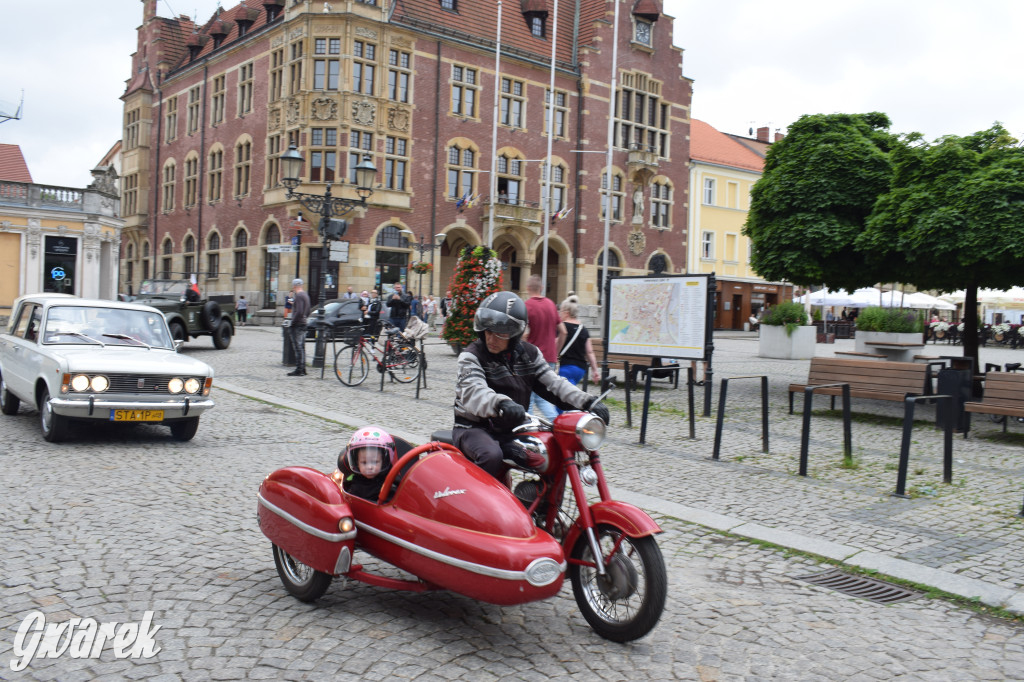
(178, 343)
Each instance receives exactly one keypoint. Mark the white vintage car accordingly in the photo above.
(79, 359)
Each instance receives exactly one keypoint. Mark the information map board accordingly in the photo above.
(662, 316)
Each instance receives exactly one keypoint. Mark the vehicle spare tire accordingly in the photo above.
(210, 315)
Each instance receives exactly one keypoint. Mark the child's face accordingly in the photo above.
(370, 460)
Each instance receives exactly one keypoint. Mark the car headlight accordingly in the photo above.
(590, 430)
(192, 385)
(175, 385)
(80, 382)
(99, 383)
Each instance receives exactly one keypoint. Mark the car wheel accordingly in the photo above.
(9, 403)
(178, 332)
(185, 429)
(222, 337)
(53, 426)
(211, 315)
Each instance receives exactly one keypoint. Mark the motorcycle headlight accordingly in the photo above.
(175, 385)
(80, 382)
(192, 385)
(590, 430)
(99, 383)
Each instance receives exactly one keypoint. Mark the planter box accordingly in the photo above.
(773, 342)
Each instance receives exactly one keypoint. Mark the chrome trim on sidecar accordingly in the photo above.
(532, 571)
(302, 525)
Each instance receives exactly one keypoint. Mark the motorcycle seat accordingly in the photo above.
(444, 436)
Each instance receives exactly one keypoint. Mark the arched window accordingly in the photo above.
(212, 257)
(617, 193)
(273, 235)
(661, 204)
(169, 179)
(460, 178)
(510, 179)
(190, 255)
(165, 263)
(241, 254)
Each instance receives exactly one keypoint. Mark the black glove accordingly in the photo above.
(600, 410)
(510, 414)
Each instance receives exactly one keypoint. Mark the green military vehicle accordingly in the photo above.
(188, 315)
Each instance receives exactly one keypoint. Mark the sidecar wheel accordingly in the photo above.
(301, 581)
(627, 602)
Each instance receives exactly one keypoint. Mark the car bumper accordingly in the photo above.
(101, 408)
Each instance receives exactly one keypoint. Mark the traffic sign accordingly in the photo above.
(298, 224)
(282, 248)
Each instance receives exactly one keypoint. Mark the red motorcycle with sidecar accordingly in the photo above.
(454, 527)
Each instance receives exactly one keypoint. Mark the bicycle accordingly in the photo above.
(398, 357)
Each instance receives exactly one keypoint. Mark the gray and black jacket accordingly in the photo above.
(485, 380)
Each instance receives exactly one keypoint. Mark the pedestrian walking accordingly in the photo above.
(578, 353)
(430, 309)
(297, 327)
(546, 332)
(241, 310)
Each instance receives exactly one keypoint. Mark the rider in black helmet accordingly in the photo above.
(497, 374)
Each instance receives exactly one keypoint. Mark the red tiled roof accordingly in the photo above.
(480, 19)
(12, 164)
(711, 146)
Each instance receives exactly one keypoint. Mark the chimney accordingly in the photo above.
(778, 136)
(762, 134)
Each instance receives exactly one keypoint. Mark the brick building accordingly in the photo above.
(412, 84)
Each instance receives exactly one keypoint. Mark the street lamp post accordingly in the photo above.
(329, 208)
(422, 249)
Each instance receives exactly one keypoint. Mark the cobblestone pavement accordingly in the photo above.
(123, 521)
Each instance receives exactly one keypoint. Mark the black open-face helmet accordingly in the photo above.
(501, 313)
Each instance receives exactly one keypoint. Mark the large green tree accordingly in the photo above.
(954, 218)
(819, 186)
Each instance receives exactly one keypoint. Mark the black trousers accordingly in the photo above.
(485, 448)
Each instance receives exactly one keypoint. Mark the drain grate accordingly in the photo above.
(859, 586)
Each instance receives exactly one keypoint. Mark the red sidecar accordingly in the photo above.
(448, 523)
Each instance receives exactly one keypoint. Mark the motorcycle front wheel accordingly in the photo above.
(302, 582)
(626, 603)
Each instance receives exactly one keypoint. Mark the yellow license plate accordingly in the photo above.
(136, 415)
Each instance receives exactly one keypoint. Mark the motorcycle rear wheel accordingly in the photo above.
(302, 582)
(627, 602)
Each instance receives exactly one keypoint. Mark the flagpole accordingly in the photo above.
(608, 170)
(547, 166)
(494, 132)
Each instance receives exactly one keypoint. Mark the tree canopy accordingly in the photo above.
(819, 186)
(845, 203)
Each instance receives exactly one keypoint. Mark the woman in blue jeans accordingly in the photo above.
(578, 352)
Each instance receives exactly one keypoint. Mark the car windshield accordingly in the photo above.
(163, 287)
(92, 325)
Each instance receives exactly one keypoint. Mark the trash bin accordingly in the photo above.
(957, 383)
(287, 351)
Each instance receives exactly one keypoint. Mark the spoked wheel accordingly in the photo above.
(351, 365)
(301, 581)
(401, 369)
(626, 603)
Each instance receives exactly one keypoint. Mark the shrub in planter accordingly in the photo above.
(892, 320)
(789, 315)
(477, 275)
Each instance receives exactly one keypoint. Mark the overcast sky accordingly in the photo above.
(935, 66)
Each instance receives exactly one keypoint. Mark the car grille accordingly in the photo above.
(134, 383)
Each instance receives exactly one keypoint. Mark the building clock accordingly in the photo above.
(643, 32)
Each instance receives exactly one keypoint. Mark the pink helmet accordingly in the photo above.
(370, 452)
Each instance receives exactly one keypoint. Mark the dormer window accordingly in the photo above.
(449, 5)
(537, 26)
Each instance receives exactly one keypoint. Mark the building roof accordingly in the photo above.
(711, 146)
(12, 164)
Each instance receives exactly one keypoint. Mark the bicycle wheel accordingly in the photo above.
(398, 364)
(351, 365)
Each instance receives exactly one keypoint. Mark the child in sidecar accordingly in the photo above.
(367, 459)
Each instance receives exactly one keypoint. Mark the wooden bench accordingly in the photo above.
(632, 365)
(891, 381)
(1004, 395)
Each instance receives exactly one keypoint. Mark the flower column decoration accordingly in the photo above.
(477, 276)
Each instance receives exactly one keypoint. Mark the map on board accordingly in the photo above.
(658, 316)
